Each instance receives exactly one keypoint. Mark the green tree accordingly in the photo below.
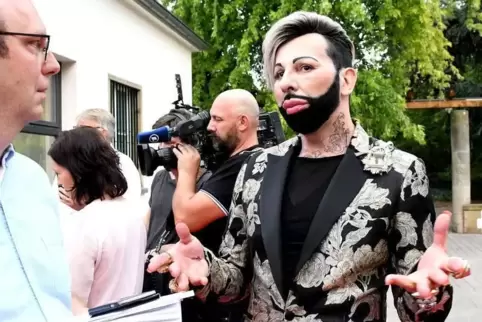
(464, 31)
(394, 39)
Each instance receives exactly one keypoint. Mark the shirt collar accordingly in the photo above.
(112, 145)
(7, 155)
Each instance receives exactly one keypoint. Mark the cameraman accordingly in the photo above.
(164, 184)
(233, 124)
(159, 220)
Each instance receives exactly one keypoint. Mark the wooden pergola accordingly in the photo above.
(460, 147)
(445, 103)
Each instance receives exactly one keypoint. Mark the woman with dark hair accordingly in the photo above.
(105, 239)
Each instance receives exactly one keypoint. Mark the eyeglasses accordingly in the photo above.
(45, 48)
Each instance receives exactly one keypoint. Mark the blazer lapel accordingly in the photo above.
(270, 209)
(344, 186)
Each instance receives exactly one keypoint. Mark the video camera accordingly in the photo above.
(194, 132)
(270, 130)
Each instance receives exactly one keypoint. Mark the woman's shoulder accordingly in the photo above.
(111, 207)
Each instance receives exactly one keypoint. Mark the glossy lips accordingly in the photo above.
(294, 105)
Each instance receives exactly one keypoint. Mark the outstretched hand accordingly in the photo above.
(184, 260)
(435, 266)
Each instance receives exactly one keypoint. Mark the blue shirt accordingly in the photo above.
(34, 273)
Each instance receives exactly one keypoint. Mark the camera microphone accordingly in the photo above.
(162, 134)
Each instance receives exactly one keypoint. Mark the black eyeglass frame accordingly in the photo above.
(46, 49)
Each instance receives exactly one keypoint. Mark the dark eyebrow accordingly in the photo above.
(303, 57)
(298, 58)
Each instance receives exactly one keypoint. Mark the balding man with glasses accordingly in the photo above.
(34, 279)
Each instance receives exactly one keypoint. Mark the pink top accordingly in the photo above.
(105, 243)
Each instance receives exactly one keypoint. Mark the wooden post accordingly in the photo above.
(460, 148)
(460, 144)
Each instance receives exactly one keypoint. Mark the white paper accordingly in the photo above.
(165, 309)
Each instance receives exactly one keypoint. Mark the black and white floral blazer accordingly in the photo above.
(376, 218)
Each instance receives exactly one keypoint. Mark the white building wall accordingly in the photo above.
(100, 39)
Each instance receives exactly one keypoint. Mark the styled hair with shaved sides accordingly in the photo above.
(340, 48)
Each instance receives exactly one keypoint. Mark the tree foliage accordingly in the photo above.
(473, 11)
(398, 43)
(464, 31)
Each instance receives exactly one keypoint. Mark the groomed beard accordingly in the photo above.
(318, 112)
(225, 146)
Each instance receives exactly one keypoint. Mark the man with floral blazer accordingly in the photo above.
(375, 218)
(321, 225)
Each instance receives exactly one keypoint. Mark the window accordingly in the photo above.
(51, 118)
(124, 102)
(36, 147)
(35, 139)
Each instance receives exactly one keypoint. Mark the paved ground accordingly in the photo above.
(467, 306)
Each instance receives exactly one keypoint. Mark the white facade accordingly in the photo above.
(102, 40)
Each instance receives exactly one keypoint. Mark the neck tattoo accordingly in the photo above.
(336, 143)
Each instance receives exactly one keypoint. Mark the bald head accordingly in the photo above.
(239, 102)
(234, 119)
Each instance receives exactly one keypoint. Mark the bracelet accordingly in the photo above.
(426, 304)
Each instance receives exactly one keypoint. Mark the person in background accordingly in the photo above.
(163, 186)
(234, 130)
(105, 242)
(34, 279)
(104, 122)
(160, 218)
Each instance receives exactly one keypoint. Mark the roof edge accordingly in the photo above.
(166, 17)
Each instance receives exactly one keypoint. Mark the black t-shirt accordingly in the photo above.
(306, 185)
(220, 185)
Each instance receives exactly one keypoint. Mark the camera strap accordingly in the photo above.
(169, 234)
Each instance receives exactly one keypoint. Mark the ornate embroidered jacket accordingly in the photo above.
(375, 218)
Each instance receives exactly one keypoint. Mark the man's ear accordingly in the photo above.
(243, 123)
(348, 80)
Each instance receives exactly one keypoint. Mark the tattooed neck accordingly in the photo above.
(335, 136)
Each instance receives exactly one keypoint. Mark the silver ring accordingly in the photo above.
(464, 273)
